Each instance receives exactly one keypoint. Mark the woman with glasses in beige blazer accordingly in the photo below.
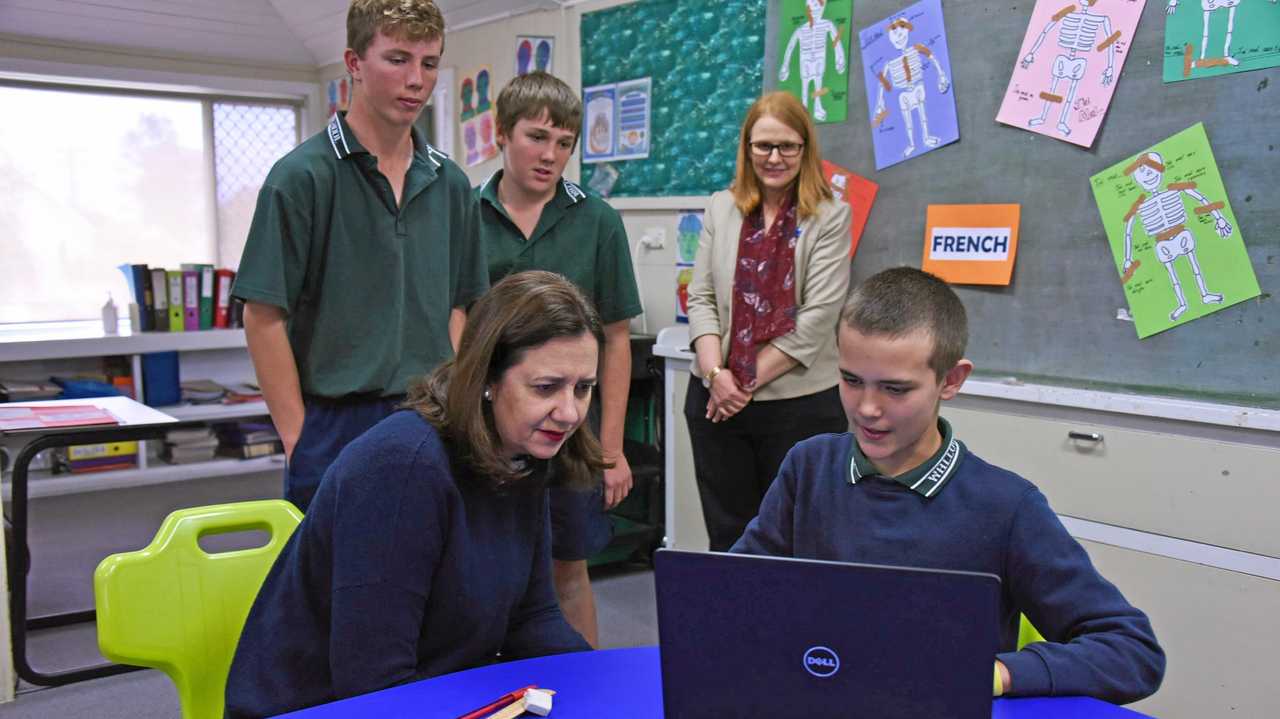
(769, 278)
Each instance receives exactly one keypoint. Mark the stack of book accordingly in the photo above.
(202, 391)
(20, 390)
(246, 440)
(241, 392)
(195, 297)
(188, 445)
(102, 457)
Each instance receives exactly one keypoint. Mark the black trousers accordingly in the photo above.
(735, 461)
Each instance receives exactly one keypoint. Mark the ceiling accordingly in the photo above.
(256, 32)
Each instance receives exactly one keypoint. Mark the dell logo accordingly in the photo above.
(821, 662)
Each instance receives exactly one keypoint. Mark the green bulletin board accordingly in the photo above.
(706, 58)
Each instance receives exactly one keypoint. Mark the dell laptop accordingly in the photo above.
(744, 636)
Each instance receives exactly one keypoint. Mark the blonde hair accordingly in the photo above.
(408, 19)
(812, 186)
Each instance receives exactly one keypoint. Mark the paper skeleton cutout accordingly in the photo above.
(906, 74)
(812, 39)
(1164, 219)
(1079, 31)
(1209, 7)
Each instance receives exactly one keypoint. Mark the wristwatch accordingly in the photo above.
(710, 377)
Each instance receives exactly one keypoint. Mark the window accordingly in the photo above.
(248, 138)
(94, 179)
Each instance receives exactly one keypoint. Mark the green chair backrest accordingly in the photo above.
(179, 609)
(1027, 633)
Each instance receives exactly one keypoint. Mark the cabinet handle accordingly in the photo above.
(1085, 436)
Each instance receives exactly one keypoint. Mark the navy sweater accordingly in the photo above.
(985, 519)
(401, 570)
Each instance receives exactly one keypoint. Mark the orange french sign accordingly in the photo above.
(971, 244)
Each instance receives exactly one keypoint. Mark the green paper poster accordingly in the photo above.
(1217, 37)
(813, 52)
(1177, 246)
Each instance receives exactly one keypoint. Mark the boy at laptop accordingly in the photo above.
(901, 489)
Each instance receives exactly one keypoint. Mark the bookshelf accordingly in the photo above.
(44, 484)
(43, 349)
(63, 340)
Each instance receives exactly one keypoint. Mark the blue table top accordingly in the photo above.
(617, 683)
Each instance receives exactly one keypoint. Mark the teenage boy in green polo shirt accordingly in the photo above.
(533, 218)
(901, 489)
(363, 250)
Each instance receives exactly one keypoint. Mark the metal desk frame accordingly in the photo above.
(19, 622)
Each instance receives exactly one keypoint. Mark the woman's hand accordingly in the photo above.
(727, 397)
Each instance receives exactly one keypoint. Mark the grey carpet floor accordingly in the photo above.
(71, 534)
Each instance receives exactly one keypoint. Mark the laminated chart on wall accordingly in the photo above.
(600, 108)
(1206, 38)
(1178, 249)
(706, 61)
(1068, 67)
(813, 44)
(617, 121)
(907, 72)
(479, 127)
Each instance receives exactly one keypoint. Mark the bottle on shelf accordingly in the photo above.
(110, 317)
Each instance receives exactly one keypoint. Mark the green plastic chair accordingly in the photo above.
(174, 607)
(1027, 633)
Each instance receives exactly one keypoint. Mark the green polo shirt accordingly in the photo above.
(925, 479)
(578, 235)
(368, 286)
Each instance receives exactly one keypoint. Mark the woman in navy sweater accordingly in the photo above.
(425, 550)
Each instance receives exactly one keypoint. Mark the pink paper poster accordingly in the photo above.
(1068, 67)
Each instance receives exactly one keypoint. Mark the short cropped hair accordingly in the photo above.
(407, 19)
(528, 97)
(899, 301)
(812, 188)
(521, 312)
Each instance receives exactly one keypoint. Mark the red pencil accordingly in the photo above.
(497, 704)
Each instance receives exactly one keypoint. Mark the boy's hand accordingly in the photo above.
(617, 480)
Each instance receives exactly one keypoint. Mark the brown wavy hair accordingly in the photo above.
(531, 95)
(523, 311)
(811, 186)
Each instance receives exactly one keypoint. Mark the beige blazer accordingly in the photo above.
(822, 281)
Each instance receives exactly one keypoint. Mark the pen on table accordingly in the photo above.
(497, 704)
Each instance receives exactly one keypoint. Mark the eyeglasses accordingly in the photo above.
(786, 149)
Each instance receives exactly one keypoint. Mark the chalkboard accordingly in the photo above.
(706, 59)
(1057, 322)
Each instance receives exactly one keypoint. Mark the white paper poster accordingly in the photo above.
(617, 120)
(598, 104)
(634, 100)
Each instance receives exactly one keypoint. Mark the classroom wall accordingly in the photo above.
(493, 44)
